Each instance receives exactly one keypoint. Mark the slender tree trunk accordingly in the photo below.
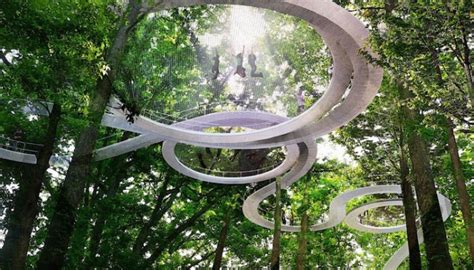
(221, 244)
(275, 258)
(434, 233)
(302, 242)
(77, 247)
(160, 209)
(95, 239)
(71, 193)
(464, 199)
(410, 212)
(20, 223)
(117, 173)
(96, 236)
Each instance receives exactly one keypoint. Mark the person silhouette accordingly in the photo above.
(300, 99)
(252, 61)
(215, 67)
(17, 144)
(240, 70)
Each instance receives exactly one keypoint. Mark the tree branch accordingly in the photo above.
(171, 236)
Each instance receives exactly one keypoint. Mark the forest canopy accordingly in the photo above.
(67, 201)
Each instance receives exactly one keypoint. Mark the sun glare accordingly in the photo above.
(247, 25)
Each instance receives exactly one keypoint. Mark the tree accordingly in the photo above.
(275, 257)
(418, 15)
(302, 236)
(62, 223)
(13, 253)
(41, 57)
(134, 211)
(222, 239)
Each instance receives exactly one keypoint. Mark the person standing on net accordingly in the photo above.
(240, 70)
(300, 99)
(17, 137)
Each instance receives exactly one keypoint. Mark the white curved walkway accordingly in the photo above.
(337, 214)
(344, 35)
(17, 156)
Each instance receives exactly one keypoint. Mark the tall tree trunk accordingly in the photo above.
(452, 145)
(275, 258)
(221, 244)
(72, 190)
(410, 211)
(25, 209)
(434, 233)
(71, 193)
(302, 242)
(464, 199)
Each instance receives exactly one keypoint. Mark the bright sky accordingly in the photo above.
(330, 150)
(246, 26)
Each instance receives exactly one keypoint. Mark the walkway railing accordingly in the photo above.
(189, 114)
(234, 173)
(19, 146)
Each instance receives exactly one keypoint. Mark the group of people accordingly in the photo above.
(252, 59)
(239, 70)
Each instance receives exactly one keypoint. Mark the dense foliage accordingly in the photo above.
(135, 212)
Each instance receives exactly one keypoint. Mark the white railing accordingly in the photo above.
(19, 146)
(234, 173)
